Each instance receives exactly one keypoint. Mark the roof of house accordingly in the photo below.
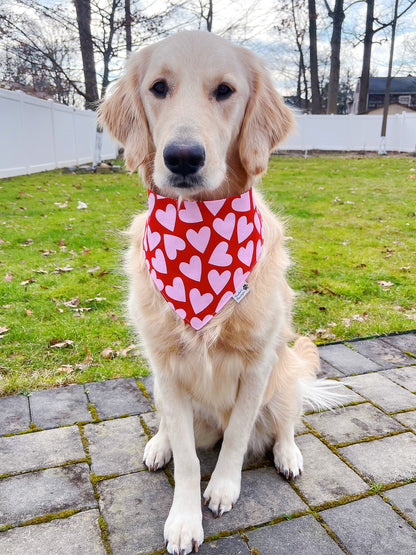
(399, 85)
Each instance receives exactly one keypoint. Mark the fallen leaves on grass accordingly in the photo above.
(26, 281)
(65, 369)
(82, 205)
(3, 331)
(62, 270)
(9, 277)
(61, 204)
(60, 343)
(385, 284)
(110, 353)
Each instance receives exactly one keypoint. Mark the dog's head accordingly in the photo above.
(197, 114)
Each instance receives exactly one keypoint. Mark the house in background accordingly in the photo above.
(402, 95)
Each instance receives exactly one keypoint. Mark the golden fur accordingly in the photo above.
(236, 377)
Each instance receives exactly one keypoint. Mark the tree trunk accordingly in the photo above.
(338, 17)
(365, 72)
(313, 57)
(210, 16)
(127, 10)
(83, 9)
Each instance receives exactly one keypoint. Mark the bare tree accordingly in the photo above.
(368, 40)
(337, 15)
(83, 9)
(313, 59)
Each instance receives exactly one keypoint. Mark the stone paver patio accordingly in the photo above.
(72, 479)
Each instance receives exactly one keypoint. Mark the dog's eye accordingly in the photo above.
(160, 89)
(223, 91)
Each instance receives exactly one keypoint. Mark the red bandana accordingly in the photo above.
(200, 253)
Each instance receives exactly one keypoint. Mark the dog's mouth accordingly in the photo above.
(190, 182)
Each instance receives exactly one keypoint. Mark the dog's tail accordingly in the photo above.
(317, 394)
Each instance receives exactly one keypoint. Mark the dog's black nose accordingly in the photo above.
(184, 158)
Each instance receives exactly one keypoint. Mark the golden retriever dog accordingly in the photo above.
(199, 117)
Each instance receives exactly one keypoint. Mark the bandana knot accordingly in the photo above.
(200, 253)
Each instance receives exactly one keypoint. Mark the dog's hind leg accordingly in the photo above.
(286, 402)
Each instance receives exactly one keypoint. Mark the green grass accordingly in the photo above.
(353, 226)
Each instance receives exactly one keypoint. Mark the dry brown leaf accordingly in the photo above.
(127, 350)
(65, 369)
(72, 303)
(3, 331)
(385, 284)
(59, 343)
(66, 268)
(26, 281)
(109, 353)
(9, 277)
(29, 312)
(92, 270)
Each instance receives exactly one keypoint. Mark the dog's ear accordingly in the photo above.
(123, 115)
(266, 122)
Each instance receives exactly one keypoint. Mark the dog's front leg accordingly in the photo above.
(183, 527)
(224, 486)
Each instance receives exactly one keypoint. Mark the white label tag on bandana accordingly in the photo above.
(241, 292)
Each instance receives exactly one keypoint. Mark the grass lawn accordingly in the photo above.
(351, 224)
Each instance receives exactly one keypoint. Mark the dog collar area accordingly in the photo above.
(200, 253)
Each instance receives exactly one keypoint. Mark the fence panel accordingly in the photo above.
(322, 132)
(38, 135)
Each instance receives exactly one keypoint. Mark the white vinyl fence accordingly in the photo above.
(38, 135)
(352, 132)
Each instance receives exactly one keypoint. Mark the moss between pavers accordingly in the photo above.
(330, 533)
(32, 470)
(399, 511)
(105, 536)
(93, 412)
(42, 519)
(368, 439)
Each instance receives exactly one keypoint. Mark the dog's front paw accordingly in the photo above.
(157, 452)
(183, 531)
(222, 493)
(288, 459)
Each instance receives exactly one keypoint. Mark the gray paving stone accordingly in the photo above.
(264, 496)
(382, 391)
(345, 359)
(325, 477)
(300, 536)
(40, 450)
(135, 508)
(52, 408)
(76, 535)
(328, 371)
(350, 424)
(382, 353)
(407, 419)
(116, 446)
(405, 342)
(405, 377)
(405, 499)
(118, 397)
(379, 461)
(225, 546)
(14, 414)
(48, 491)
(371, 526)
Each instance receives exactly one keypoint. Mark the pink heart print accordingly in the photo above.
(199, 253)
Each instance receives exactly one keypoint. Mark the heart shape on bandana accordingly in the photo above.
(218, 281)
(167, 217)
(242, 203)
(198, 301)
(245, 254)
(226, 226)
(199, 239)
(244, 229)
(192, 269)
(191, 213)
(159, 262)
(219, 257)
(176, 291)
(153, 238)
(173, 244)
